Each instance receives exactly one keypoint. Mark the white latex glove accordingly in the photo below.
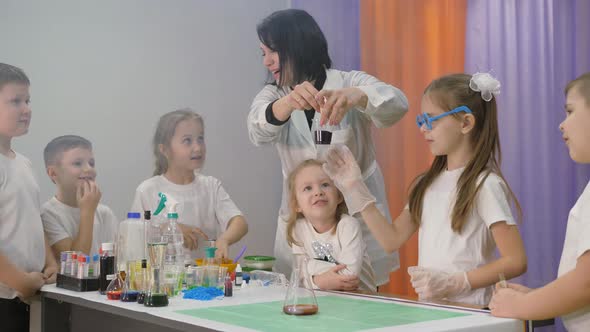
(343, 169)
(432, 284)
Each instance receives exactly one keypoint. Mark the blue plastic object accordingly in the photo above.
(203, 293)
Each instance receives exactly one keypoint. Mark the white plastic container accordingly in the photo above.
(130, 241)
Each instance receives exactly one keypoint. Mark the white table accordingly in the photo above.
(64, 310)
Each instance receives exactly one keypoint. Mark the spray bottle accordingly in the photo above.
(156, 245)
(174, 258)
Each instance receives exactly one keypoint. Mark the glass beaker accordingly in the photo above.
(322, 136)
(156, 296)
(300, 299)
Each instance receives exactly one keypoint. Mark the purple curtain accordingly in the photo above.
(339, 20)
(534, 47)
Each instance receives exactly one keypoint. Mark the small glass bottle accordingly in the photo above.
(228, 286)
(142, 281)
(107, 267)
(239, 276)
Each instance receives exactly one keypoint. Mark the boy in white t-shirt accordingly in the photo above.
(26, 263)
(569, 295)
(73, 219)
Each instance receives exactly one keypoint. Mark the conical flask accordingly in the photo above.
(300, 299)
(116, 287)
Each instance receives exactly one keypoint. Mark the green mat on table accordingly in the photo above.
(335, 313)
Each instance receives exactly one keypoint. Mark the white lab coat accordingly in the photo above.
(386, 105)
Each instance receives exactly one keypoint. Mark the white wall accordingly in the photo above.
(108, 69)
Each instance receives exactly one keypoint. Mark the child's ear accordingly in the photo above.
(51, 173)
(468, 123)
(162, 149)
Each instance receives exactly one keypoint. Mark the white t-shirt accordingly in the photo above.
(441, 248)
(203, 203)
(61, 221)
(346, 246)
(577, 242)
(21, 230)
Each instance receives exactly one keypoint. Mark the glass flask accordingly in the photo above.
(116, 287)
(300, 299)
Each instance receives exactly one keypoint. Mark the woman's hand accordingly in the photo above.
(303, 97)
(335, 103)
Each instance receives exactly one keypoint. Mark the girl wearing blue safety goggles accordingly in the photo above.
(461, 204)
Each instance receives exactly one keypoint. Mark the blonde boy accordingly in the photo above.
(26, 262)
(73, 219)
(569, 295)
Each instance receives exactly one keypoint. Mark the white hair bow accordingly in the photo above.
(486, 84)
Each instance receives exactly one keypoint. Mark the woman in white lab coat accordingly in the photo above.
(295, 52)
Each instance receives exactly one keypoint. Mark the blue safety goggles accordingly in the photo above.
(425, 119)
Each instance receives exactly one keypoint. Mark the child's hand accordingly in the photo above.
(516, 287)
(88, 195)
(342, 168)
(432, 284)
(331, 280)
(191, 236)
(506, 302)
(32, 282)
(222, 248)
(50, 274)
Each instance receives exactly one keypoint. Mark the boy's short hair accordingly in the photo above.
(12, 74)
(582, 83)
(54, 150)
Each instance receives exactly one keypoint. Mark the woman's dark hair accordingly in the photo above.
(300, 42)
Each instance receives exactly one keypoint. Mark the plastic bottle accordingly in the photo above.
(174, 263)
(130, 241)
